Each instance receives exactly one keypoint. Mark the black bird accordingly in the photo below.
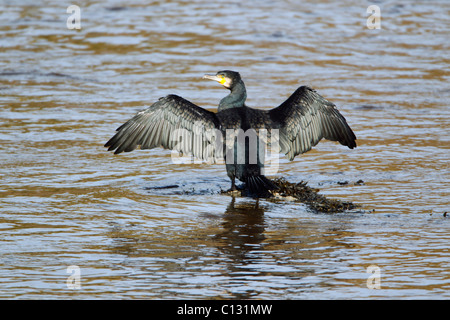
(175, 123)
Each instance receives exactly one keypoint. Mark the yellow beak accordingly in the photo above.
(220, 79)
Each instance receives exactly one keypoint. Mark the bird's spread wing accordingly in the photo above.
(172, 123)
(305, 118)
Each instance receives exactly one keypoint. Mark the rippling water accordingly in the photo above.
(66, 201)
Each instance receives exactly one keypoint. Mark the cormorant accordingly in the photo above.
(301, 122)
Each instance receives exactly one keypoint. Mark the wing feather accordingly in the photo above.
(164, 124)
(305, 118)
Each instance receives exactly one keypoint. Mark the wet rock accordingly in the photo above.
(162, 187)
(305, 194)
(311, 197)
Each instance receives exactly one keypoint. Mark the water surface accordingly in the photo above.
(65, 201)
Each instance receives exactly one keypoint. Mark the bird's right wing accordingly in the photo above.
(305, 118)
(172, 123)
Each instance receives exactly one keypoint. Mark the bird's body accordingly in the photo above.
(238, 133)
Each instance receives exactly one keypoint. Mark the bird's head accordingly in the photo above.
(226, 78)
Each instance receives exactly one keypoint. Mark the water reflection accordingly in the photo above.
(238, 253)
(243, 229)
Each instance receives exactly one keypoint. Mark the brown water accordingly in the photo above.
(66, 201)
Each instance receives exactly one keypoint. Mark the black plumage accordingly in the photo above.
(175, 123)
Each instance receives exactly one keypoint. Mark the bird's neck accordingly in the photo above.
(235, 99)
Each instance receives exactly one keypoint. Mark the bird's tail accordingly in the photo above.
(260, 186)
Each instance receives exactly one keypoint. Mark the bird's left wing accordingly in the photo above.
(305, 118)
(172, 123)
